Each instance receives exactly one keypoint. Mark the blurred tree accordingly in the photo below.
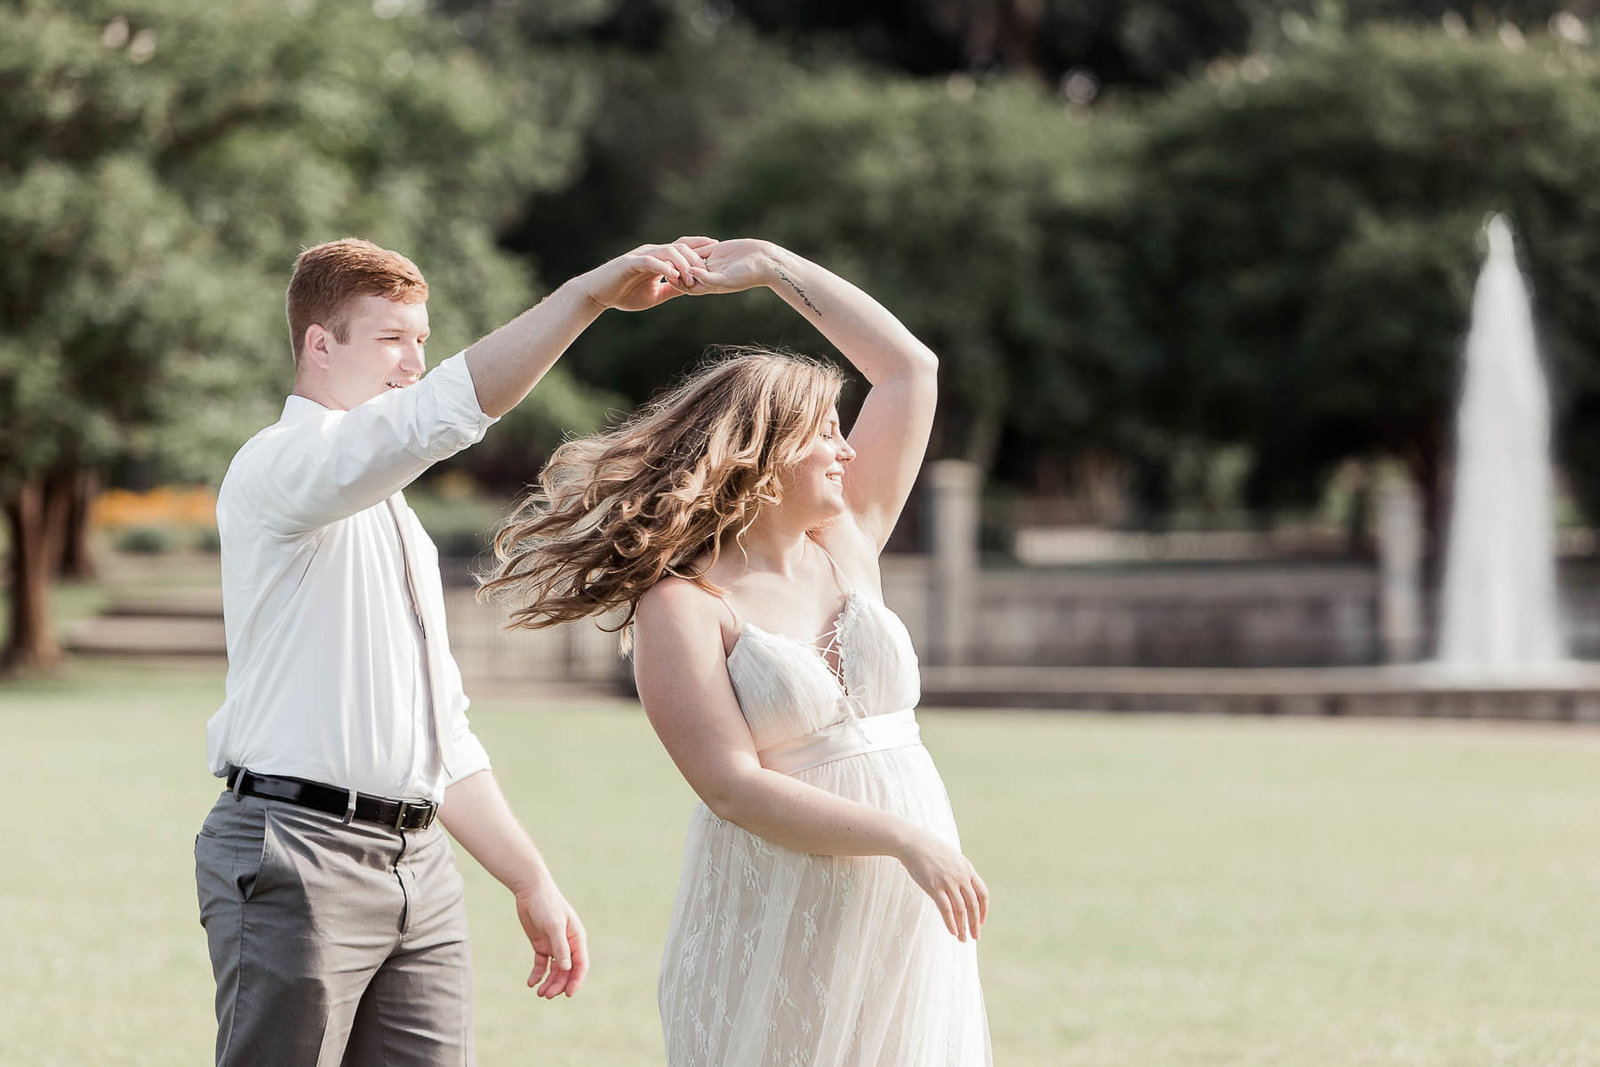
(672, 77)
(508, 460)
(164, 160)
(1105, 43)
(673, 145)
(969, 211)
(1304, 252)
(1134, 42)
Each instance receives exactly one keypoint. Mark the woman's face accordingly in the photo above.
(815, 485)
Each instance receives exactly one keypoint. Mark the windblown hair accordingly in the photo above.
(328, 276)
(677, 481)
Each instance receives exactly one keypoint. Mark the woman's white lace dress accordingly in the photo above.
(777, 958)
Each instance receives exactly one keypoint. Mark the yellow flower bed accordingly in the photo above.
(162, 506)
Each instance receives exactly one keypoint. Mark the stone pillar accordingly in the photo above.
(1400, 569)
(952, 487)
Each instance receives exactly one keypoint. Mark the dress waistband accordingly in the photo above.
(852, 737)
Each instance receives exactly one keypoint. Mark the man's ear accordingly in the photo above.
(315, 348)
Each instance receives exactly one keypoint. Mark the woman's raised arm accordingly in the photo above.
(890, 435)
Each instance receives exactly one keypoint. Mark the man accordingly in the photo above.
(330, 899)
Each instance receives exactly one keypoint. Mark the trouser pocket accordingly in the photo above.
(229, 853)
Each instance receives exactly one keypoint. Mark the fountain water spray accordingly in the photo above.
(1500, 613)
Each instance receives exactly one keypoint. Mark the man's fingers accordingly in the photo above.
(656, 265)
(553, 984)
(679, 258)
(560, 948)
(554, 979)
(575, 977)
(665, 271)
(691, 253)
(578, 941)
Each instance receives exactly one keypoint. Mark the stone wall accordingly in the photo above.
(1277, 615)
(1221, 616)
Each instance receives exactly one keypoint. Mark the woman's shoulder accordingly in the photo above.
(677, 609)
(673, 595)
(676, 601)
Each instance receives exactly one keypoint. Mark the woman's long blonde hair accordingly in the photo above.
(615, 513)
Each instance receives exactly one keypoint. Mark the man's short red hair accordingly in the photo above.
(328, 276)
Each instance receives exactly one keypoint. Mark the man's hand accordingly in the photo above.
(476, 814)
(649, 275)
(560, 946)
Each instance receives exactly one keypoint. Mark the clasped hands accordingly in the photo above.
(690, 266)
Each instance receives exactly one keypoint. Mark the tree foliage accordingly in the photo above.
(163, 163)
(1304, 249)
(946, 208)
(1133, 230)
(1117, 44)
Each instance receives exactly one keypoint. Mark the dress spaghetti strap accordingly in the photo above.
(738, 623)
(838, 572)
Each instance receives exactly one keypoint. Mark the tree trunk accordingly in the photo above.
(36, 513)
(76, 561)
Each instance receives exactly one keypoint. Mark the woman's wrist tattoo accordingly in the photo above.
(798, 291)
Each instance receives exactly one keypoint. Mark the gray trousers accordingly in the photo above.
(332, 944)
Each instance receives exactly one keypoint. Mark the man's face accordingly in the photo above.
(383, 350)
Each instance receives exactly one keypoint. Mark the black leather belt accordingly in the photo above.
(345, 803)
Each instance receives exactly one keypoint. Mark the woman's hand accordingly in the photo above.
(733, 266)
(649, 275)
(950, 879)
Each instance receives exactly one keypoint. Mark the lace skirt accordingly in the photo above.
(777, 958)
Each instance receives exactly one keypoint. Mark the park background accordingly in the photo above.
(1198, 274)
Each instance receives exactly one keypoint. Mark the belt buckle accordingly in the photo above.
(427, 807)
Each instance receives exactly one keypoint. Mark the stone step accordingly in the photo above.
(196, 635)
(163, 609)
(1572, 694)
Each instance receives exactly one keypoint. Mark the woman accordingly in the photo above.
(826, 915)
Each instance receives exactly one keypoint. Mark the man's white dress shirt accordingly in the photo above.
(327, 673)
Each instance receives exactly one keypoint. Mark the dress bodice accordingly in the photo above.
(787, 689)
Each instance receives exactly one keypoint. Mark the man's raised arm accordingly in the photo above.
(508, 363)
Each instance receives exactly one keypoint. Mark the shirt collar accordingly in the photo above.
(297, 408)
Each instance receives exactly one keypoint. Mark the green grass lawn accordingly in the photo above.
(1166, 890)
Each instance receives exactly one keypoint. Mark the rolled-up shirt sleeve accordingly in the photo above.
(357, 458)
(467, 754)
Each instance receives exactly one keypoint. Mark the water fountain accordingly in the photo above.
(1501, 651)
(1500, 619)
